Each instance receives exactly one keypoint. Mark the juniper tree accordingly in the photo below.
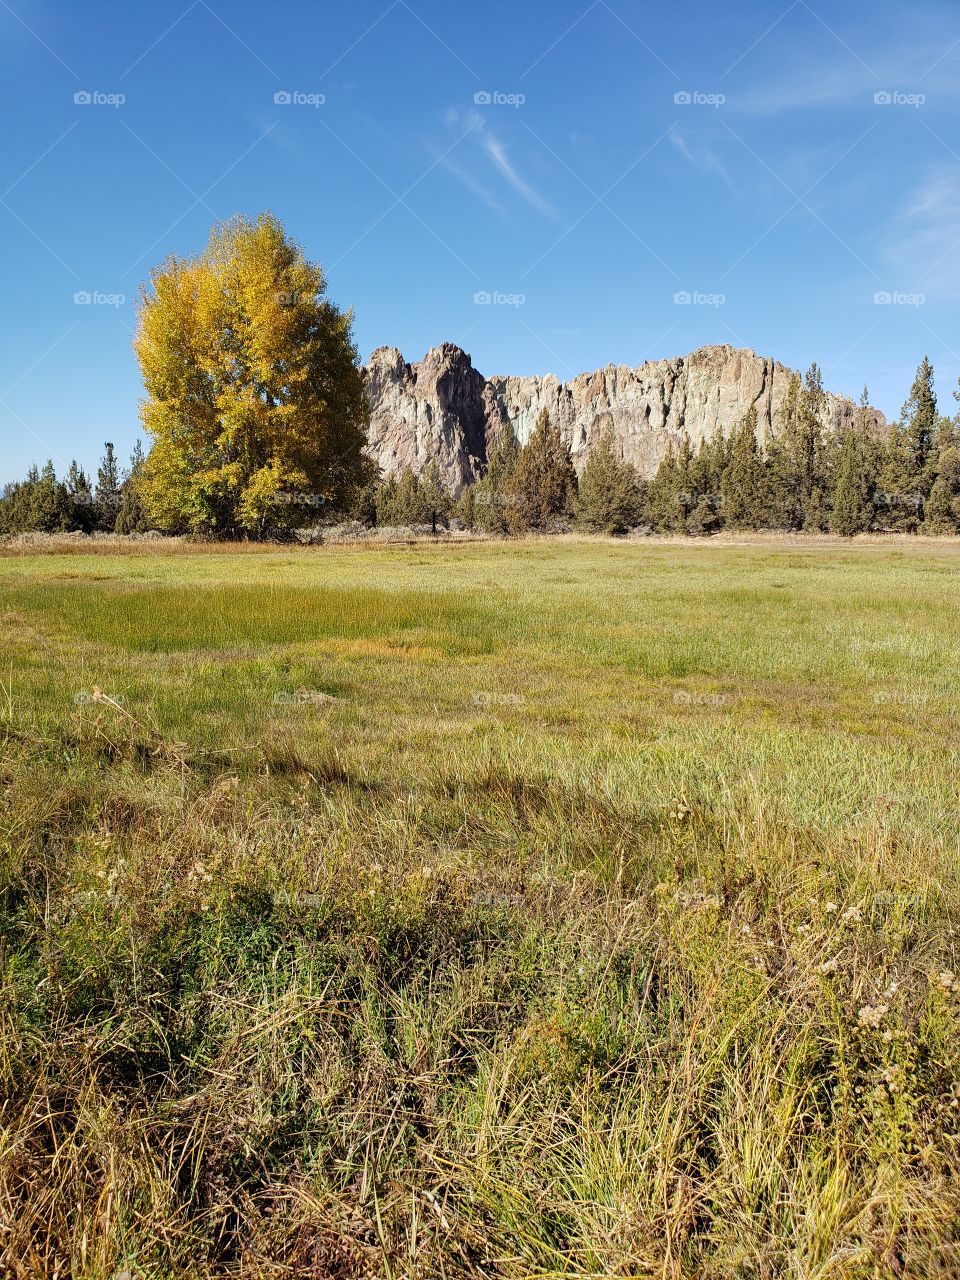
(489, 494)
(108, 493)
(399, 501)
(131, 514)
(942, 509)
(705, 514)
(82, 515)
(742, 482)
(609, 495)
(434, 494)
(542, 487)
(852, 507)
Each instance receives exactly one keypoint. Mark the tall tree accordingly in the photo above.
(541, 489)
(920, 421)
(798, 461)
(131, 514)
(742, 483)
(490, 497)
(108, 489)
(942, 509)
(254, 389)
(609, 491)
(852, 505)
(82, 515)
(49, 503)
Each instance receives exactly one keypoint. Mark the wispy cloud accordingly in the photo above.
(494, 149)
(921, 246)
(901, 64)
(702, 158)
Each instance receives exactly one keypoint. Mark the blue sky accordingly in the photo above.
(582, 163)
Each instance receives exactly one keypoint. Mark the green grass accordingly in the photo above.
(550, 909)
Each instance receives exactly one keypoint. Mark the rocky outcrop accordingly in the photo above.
(443, 409)
(433, 410)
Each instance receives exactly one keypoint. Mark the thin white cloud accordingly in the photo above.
(495, 150)
(471, 182)
(900, 66)
(701, 158)
(921, 246)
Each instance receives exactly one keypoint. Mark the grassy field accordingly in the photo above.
(551, 909)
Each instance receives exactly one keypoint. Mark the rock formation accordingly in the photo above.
(442, 409)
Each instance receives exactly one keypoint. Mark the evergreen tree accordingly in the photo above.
(399, 501)
(798, 463)
(852, 511)
(671, 495)
(942, 509)
(82, 515)
(49, 510)
(132, 515)
(465, 507)
(108, 490)
(434, 497)
(705, 513)
(909, 465)
(609, 491)
(920, 421)
(541, 489)
(742, 483)
(490, 496)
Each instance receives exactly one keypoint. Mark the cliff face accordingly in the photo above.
(443, 409)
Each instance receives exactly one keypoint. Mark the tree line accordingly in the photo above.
(257, 418)
(44, 503)
(804, 477)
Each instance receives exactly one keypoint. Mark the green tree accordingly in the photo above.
(942, 510)
(108, 489)
(671, 496)
(49, 503)
(490, 494)
(609, 496)
(852, 506)
(82, 514)
(254, 388)
(541, 489)
(132, 515)
(435, 499)
(920, 421)
(742, 482)
(399, 501)
(798, 463)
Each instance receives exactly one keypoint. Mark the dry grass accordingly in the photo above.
(571, 910)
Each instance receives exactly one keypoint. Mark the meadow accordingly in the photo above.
(548, 909)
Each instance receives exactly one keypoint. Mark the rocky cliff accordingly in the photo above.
(442, 408)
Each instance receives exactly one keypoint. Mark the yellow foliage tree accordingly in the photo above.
(255, 399)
